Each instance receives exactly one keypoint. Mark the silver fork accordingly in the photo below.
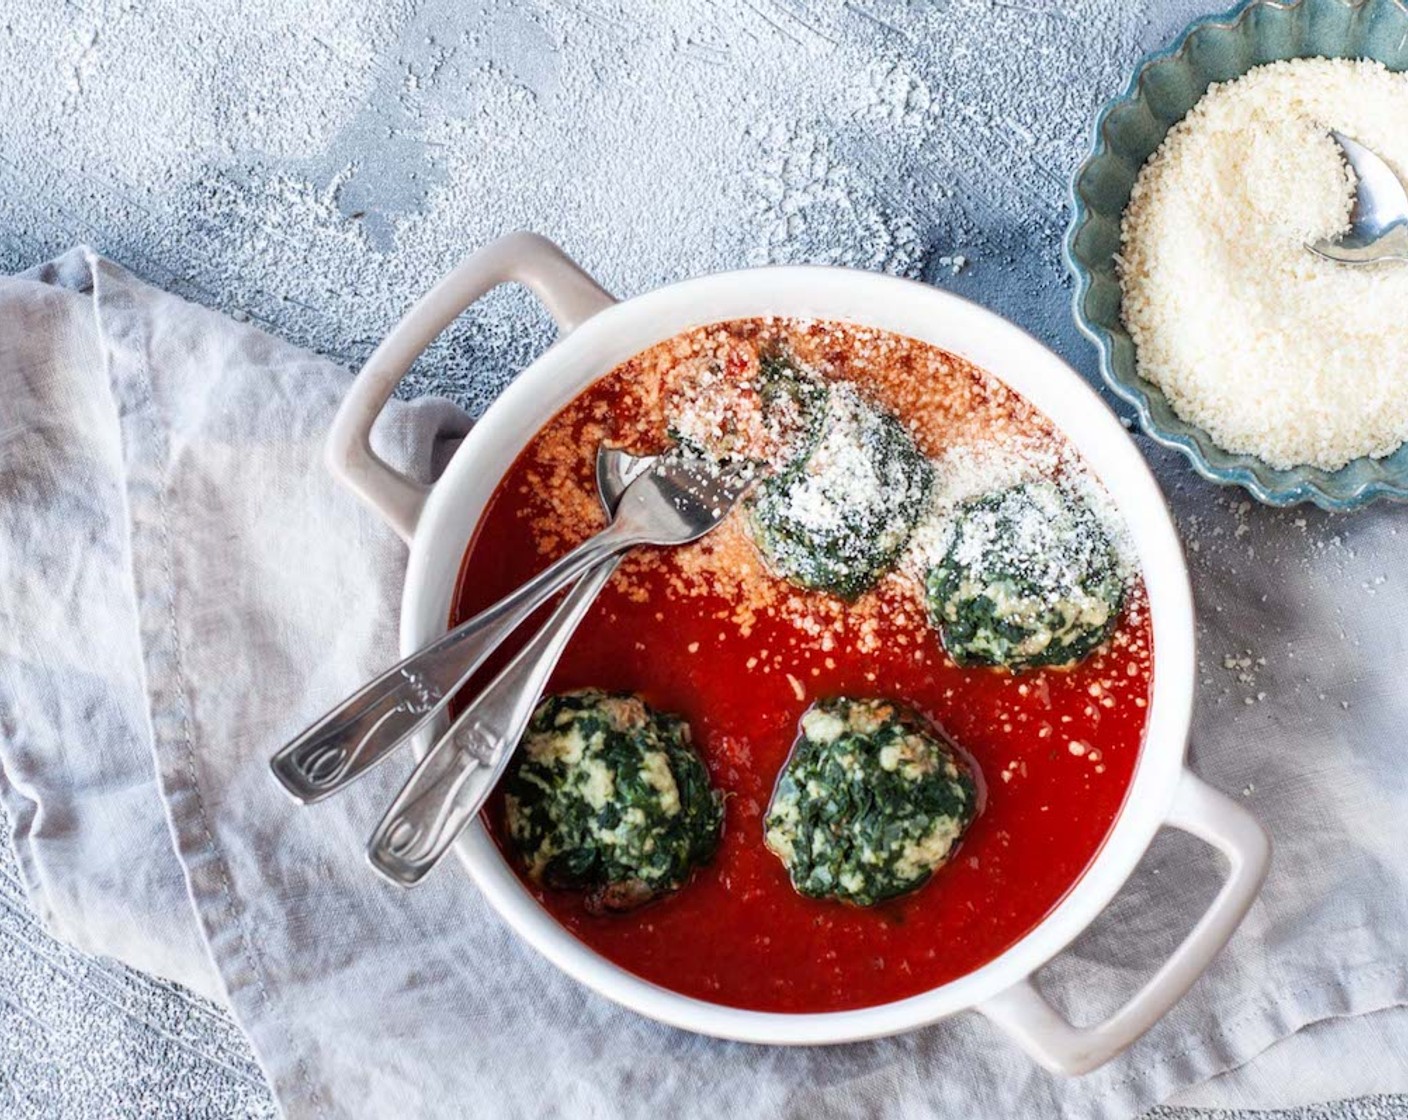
(450, 785)
(372, 722)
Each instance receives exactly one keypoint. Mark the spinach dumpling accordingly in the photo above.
(1029, 577)
(871, 803)
(609, 797)
(838, 516)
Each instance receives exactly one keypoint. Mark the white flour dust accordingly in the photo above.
(316, 166)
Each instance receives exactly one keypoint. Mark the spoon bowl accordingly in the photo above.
(1378, 222)
(615, 470)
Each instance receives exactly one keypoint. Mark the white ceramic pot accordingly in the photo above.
(596, 333)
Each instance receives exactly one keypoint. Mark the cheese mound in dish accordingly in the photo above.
(1028, 576)
(870, 804)
(1271, 350)
(609, 797)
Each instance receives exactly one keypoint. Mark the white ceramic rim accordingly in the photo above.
(891, 304)
(599, 335)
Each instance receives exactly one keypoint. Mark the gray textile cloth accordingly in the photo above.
(184, 587)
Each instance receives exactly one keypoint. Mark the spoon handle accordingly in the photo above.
(449, 786)
(377, 718)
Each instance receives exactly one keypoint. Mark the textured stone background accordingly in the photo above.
(312, 166)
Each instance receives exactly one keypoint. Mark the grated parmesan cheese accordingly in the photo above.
(976, 432)
(967, 471)
(1271, 350)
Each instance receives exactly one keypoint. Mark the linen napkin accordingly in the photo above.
(184, 588)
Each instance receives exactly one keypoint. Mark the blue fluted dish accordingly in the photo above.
(1165, 86)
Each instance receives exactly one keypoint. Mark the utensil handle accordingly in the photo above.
(1045, 1034)
(367, 726)
(569, 294)
(375, 720)
(448, 788)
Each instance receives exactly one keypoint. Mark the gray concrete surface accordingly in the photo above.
(312, 166)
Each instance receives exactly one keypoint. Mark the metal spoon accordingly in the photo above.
(367, 726)
(1378, 229)
(427, 805)
(448, 788)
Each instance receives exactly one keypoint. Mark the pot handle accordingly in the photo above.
(1040, 1030)
(569, 294)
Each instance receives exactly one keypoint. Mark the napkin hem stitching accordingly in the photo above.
(207, 840)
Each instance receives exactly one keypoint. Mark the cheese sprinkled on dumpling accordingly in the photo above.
(1029, 576)
(840, 515)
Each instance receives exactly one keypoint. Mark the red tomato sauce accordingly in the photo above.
(1054, 750)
